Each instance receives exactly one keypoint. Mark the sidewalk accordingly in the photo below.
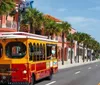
(68, 65)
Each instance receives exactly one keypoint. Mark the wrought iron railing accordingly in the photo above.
(11, 25)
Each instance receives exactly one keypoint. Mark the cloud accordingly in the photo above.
(97, 8)
(83, 23)
(62, 9)
(78, 19)
(75, 19)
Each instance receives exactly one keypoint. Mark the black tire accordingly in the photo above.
(32, 81)
(50, 76)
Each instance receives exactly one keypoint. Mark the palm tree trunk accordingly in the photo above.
(62, 48)
(87, 53)
(19, 20)
(49, 36)
(31, 28)
(78, 52)
(71, 51)
(83, 52)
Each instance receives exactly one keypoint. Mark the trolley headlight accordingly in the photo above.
(24, 72)
(3, 77)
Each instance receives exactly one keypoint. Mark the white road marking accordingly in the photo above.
(89, 68)
(96, 65)
(77, 72)
(51, 83)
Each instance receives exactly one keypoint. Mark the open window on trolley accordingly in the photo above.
(51, 51)
(1, 50)
(38, 52)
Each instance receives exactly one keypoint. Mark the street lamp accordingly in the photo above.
(21, 8)
(29, 3)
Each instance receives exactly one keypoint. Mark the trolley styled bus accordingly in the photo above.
(26, 58)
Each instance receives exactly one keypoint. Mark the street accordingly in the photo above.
(81, 75)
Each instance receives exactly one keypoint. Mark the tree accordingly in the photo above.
(96, 47)
(51, 27)
(6, 6)
(78, 38)
(85, 40)
(70, 37)
(34, 18)
(66, 27)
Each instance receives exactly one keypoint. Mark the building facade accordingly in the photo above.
(10, 24)
(67, 44)
(7, 24)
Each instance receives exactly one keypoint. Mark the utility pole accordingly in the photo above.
(71, 50)
(71, 42)
(62, 48)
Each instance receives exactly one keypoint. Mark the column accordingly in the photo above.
(3, 21)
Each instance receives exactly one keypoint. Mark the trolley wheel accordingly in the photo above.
(50, 76)
(32, 81)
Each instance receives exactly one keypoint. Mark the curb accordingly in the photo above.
(75, 65)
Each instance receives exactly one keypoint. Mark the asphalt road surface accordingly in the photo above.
(81, 75)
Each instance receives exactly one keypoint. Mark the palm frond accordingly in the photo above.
(6, 6)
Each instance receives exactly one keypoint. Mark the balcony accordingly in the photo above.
(10, 26)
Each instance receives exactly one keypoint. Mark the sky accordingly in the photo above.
(83, 15)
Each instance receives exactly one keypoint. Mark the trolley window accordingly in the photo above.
(51, 51)
(1, 50)
(15, 50)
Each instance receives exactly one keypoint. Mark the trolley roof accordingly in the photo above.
(12, 35)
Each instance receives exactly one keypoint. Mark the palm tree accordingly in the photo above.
(85, 39)
(78, 38)
(6, 6)
(70, 37)
(66, 27)
(89, 44)
(96, 47)
(51, 27)
(34, 18)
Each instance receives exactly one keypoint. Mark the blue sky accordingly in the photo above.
(84, 15)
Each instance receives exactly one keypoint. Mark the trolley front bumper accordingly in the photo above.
(14, 83)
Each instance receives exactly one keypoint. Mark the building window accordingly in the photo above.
(8, 24)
